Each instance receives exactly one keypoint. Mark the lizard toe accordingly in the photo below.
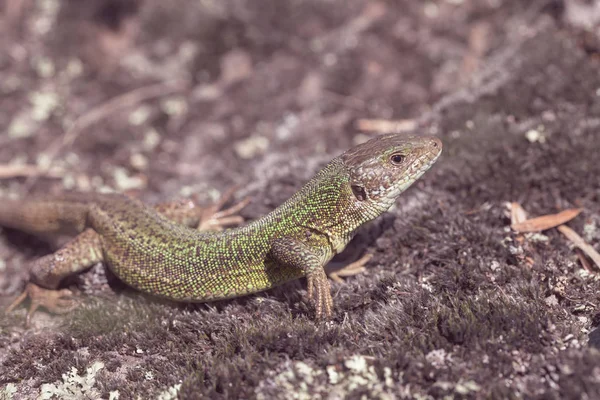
(319, 293)
(55, 301)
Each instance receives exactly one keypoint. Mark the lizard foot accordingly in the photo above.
(55, 301)
(213, 218)
(355, 268)
(319, 291)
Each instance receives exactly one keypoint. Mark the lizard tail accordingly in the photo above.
(42, 216)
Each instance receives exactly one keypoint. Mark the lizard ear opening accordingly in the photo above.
(359, 192)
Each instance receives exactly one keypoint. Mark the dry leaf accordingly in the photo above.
(546, 222)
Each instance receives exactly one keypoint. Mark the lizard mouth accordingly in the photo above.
(414, 172)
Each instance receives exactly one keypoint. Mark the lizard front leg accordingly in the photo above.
(290, 252)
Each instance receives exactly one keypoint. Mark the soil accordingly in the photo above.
(164, 100)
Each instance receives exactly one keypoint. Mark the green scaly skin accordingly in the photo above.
(150, 252)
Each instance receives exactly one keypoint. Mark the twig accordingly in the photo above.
(580, 243)
(584, 260)
(14, 171)
(120, 102)
(386, 126)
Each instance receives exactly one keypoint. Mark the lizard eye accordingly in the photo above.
(397, 159)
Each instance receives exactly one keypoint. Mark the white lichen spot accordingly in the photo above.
(590, 230)
(43, 105)
(149, 376)
(286, 128)
(466, 387)
(360, 139)
(8, 392)
(305, 371)
(151, 139)
(357, 364)
(333, 374)
(251, 147)
(140, 115)
(170, 393)
(302, 381)
(431, 10)
(174, 106)
(10, 84)
(387, 375)
(535, 136)
(551, 300)
(427, 286)
(568, 337)
(114, 395)
(73, 386)
(537, 237)
(126, 182)
(22, 126)
(47, 11)
(138, 161)
(495, 266)
(187, 51)
(43, 160)
(515, 250)
(580, 308)
(44, 67)
(438, 357)
(74, 68)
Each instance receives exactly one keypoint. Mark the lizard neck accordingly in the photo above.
(325, 205)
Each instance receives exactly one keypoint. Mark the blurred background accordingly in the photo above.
(144, 94)
(164, 99)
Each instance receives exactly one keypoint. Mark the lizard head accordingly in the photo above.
(384, 167)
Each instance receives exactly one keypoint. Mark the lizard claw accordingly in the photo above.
(214, 218)
(354, 268)
(319, 292)
(55, 301)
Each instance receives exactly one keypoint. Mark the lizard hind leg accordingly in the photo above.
(216, 217)
(210, 218)
(47, 272)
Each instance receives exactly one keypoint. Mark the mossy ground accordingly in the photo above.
(452, 304)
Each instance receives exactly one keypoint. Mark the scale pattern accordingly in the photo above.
(155, 255)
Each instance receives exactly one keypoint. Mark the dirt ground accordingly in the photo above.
(165, 100)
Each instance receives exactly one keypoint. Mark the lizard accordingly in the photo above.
(155, 251)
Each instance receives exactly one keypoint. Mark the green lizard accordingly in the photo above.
(153, 251)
